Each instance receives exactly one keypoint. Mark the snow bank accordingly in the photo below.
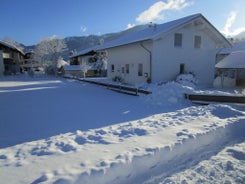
(130, 152)
(168, 96)
(187, 79)
(193, 153)
(225, 167)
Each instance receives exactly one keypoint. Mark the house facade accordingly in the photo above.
(160, 52)
(11, 58)
(195, 53)
(90, 61)
(129, 63)
(30, 63)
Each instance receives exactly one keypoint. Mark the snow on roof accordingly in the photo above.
(145, 34)
(11, 46)
(155, 30)
(236, 46)
(234, 60)
(85, 51)
(7, 45)
(148, 33)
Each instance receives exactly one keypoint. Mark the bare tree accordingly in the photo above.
(49, 50)
(84, 67)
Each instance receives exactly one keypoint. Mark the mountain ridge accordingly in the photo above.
(77, 43)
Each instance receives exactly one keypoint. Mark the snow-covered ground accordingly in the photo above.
(56, 130)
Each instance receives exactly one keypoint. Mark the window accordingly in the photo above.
(140, 69)
(127, 68)
(197, 42)
(112, 68)
(177, 40)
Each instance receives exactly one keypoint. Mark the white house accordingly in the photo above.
(161, 52)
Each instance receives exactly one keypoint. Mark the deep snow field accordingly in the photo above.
(63, 131)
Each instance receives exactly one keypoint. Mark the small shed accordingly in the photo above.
(231, 70)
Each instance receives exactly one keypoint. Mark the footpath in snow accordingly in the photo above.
(172, 142)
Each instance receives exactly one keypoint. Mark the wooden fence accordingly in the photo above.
(205, 99)
(116, 87)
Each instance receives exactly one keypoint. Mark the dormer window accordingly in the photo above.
(177, 40)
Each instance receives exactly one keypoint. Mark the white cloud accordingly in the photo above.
(155, 12)
(130, 26)
(229, 22)
(83, 29)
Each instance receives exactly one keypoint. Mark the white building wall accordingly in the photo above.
(167, 59)
(133, 55)
(83, 60)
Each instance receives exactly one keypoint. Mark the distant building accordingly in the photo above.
(11, 59)
(30, 63)
(90, 60)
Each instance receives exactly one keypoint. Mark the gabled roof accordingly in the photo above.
(11, 47)
(7, 45)
(234, 60)
(153, 31)
(88, 51)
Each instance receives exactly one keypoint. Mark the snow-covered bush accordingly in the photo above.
(187, 79)
(61, 62)
(168, 95)
(117, 79)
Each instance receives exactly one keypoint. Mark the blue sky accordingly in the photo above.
(29, 21)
